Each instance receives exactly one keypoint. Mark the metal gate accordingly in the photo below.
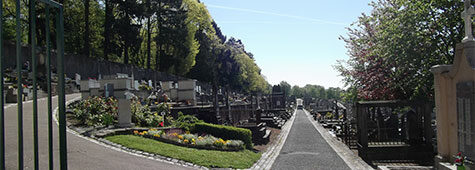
(57, 11)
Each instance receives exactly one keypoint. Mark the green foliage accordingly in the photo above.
(286, 88)
(96, 111)
(184, 35)
(186, 122)
(393, 48)
(316, 91)
(225, 132)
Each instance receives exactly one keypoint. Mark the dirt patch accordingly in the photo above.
(273, 136)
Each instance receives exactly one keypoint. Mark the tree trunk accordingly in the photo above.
(149, 34)
(216, 101)
(126, 54)
(253, 109)
(228, 106)
(107, 29)
(29, 21)
(86, 30)
(159, 46)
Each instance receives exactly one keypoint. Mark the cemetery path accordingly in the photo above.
(305, 148)
(82, 153)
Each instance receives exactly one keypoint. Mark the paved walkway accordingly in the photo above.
(305, 148)
(82, 153)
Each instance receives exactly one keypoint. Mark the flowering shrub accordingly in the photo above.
(193, 140)
(143, 116)
(96, 111)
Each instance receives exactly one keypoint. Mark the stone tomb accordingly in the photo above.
(120, 87)
(97, 87)
(183, 90)
(455, 106)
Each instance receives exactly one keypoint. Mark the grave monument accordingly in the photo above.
(454, 87)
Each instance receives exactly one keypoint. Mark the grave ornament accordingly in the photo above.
(467, 17)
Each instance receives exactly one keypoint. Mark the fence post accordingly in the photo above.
(63, 160)
(19, 86)
(2, 111)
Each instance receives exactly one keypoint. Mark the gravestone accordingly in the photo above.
(108, 90)
(125, 114)
(11, 96)
(186, 91)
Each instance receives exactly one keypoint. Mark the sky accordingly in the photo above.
(294, 41)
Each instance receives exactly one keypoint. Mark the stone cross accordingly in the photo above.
(467, 17)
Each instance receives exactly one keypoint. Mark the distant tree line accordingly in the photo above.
(174, 36)
(311, 91)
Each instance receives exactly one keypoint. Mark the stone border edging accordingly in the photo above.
(349, 157)
(271, 154)
(120, 148)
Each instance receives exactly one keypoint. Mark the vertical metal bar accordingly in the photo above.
(2, 121)
(61, 97)
(48, 84)
(35, 96)
(19, 84)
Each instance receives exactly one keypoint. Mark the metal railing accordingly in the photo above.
(61, 84)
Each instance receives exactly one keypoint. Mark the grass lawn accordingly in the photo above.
(209, 158)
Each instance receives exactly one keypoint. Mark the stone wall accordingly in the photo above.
(86, 67)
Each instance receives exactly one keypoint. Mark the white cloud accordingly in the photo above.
(276, 14)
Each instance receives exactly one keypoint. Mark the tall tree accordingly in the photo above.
(149, 32)
(393, 48)
(107, 27)
(87, 47)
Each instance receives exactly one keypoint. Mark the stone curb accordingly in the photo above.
(117, 147)
(349, 157)
(270, 155)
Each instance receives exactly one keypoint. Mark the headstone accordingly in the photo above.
(125, 114)
(108, 90)
(77, 79)
(186, 91)
(11, 96)
(136, 85)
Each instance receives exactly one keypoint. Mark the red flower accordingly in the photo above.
(459, 154)
(161, 124)
(458, 160)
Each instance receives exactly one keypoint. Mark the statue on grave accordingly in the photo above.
(467, 17)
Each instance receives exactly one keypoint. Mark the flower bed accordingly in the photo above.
(193, 140)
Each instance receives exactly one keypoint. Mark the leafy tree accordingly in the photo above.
(393, 48)
(286, 87)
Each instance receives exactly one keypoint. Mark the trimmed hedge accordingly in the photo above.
(225, 132)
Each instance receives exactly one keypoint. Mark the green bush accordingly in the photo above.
(225, 132)
(186, 122)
